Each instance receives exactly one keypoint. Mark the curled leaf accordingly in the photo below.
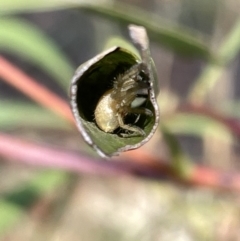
(117, 70)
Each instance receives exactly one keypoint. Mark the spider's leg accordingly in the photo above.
(127, 100)
(129, 84)
(137, 119)
(135, 129)
(140, 110)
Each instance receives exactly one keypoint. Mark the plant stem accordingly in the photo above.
(29, 86)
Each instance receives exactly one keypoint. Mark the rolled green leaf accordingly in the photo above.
(119, 77)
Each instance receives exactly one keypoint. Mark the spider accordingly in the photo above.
(116, 103)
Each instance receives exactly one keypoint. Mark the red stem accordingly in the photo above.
(33, 154)
(142, 164)
(204, 176)
(29, 86)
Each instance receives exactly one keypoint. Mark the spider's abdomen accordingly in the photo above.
(106, 113)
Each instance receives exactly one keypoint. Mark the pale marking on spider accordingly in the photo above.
(115, 104)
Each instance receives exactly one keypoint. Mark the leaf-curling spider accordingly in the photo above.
(116, 103)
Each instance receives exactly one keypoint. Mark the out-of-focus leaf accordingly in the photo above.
(180, 160)
(209, 77)
(16, 6)
(42, 184)
(231, 46)
(168, 102)
(9, 215)
(197, 125)
(17, 114)
(118, 41)
(231, 108)
(26, 40)
(12, 204)
(176, 38)
(179, 39)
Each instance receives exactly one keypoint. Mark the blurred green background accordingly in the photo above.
(195, 46)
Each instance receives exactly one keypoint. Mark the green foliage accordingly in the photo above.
(10, 214)
(180, 161)
(23, 39)
(27, 41)
(14, 115)
(210, 75)
(13, 204)
(197, 125)
(176, 38)
(17, 6)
